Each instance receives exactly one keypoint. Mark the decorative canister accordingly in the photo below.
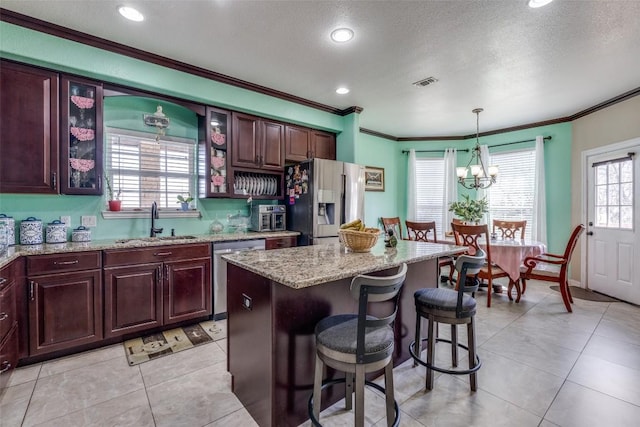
(10, 226)
(56, 232)
(31, 231)
(81, 234)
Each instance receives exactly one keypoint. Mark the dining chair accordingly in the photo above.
(509, 229)
(422, 232)
(470, 235)
(552, 268)
(395, 224)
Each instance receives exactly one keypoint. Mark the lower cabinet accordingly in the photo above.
(141, 294)
(280, 242)
(8, 323)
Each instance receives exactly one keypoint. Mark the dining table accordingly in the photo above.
(509, 254)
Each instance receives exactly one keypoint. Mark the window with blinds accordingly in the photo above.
(145, 170)
(511, 197)
(430, 190)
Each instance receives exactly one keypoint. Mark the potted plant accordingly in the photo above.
(115, 203)
(469, 210)
(184, 201)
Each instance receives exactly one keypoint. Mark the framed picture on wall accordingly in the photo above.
(373, 178)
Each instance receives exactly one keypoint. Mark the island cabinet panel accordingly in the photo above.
(133, 298)
(272, 343)
(188, 290)
(65, 310)
(28, 129)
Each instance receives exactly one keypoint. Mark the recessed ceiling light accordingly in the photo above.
(342, 90)
(342, 35)
(130, 13)
(539, 3)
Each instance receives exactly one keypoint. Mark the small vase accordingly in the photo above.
(115, 205)
(185, 206)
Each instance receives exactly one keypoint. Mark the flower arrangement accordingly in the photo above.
(182, 199)
(470, 210)
(110, 190)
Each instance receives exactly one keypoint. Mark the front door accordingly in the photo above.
(613, 221)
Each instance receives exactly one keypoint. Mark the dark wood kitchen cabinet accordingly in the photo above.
(213, 145)
(146, 288)
(28, 129)
(280, 242)
(65, 301)
(8, 323)
(303, 143)
(80, 136)
(257, 143)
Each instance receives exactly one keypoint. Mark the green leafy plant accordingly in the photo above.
(470, 210)
(182, 199)
(110, 189)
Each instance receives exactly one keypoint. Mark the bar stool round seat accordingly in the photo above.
(453, 307)
(357, 344)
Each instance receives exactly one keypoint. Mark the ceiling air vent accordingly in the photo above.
(425, 82)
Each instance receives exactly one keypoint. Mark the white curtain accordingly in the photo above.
(450, 188)
(539, 226)
(482, 193)
(412, 205)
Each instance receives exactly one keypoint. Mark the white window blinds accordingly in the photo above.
(146, 170)
(511, 197)
(430, 190)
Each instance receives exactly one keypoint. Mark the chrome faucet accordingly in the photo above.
(154, 216)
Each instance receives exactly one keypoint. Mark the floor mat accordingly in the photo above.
(148, 347)
(585, 294)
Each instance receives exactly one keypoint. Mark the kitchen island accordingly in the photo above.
(274, 301)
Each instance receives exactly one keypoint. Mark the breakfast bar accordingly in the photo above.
(275, 298)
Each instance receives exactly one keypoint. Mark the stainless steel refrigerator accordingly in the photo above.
(321, 195)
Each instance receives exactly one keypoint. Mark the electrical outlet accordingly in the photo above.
(66, 220)
(89, 220)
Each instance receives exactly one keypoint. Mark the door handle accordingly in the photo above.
(589, 233)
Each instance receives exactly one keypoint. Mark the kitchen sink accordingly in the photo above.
(154, 239)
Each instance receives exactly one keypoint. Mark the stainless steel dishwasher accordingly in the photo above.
(220, 270)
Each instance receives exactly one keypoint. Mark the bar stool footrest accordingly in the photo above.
(417, 359)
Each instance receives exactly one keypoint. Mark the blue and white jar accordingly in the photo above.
(31, 231)
(56, 232)
(10, 227)
(81, 234)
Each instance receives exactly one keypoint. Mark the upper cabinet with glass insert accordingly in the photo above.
(80, 136)
(215, 135)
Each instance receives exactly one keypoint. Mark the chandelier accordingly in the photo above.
(481, 177)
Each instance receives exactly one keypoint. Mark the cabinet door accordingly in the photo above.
(65, 311)
(8, 356)
(80, 136)
(132, 299)
(187, 290)
(297, 144)
(213, 164)
(245, 149)
(28, 129)
(272, 153)
(280, 242)
(323, 145)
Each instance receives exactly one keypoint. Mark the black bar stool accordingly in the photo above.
(453, 307)
(358, 344)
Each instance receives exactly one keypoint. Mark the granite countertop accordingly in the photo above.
(140, 242)
(305, 266)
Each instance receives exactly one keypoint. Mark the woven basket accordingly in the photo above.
(358, 241)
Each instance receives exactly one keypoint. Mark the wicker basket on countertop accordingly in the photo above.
(359, 241)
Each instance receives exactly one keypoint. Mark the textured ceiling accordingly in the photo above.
(521, 65)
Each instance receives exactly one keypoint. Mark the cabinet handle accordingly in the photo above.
(3, 281)
(163, 253)
(3, 316)
(99, 179)
(166, 272)
(159, 273)
(75, 261)
(31, 285)
(5, 367)
(54, 180)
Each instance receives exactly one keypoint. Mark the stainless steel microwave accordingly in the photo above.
(268, 218)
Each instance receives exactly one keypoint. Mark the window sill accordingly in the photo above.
(141, 213)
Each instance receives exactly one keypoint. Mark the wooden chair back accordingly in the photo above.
(469, 235)
(510, 229)
(422, 231)
(393, 223)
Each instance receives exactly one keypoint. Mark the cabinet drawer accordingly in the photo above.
(73, 261)
(7, 310)
(280, 242)
(113, 257)
(8, 356)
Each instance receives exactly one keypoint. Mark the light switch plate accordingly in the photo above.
(66, 220)
(89, 220)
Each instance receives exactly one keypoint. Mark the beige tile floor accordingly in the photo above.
(541, 367)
